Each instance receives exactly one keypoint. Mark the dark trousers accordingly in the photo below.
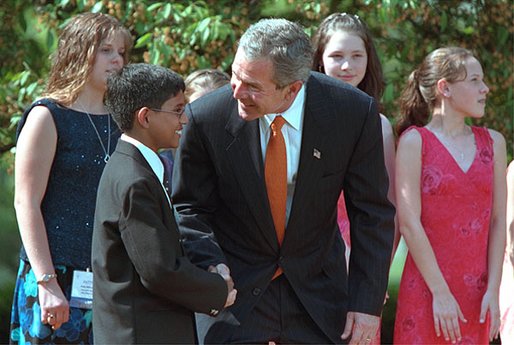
(279, 316)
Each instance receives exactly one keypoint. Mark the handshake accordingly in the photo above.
(224, 271)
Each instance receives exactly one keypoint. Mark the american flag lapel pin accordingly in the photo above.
(317, 153)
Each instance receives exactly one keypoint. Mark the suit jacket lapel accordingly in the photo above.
(244, 152)
(315, 124)
(132, 151)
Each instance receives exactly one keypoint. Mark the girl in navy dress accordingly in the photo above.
(63, 143)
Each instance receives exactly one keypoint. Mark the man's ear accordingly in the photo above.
(293, 89)
(142, 116)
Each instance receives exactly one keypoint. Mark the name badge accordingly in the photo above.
(82, 290)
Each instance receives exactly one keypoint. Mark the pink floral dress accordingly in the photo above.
(455, 213)
(344, 226)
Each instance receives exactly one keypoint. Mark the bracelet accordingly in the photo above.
(45, 278)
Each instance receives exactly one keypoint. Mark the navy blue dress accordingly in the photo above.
(68, 210)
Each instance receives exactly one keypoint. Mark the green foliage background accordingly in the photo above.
(188, 35)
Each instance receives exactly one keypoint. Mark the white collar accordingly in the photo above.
(293, 115)
(151, 157)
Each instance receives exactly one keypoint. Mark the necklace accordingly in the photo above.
(107, 155)
(451, 144)
(461, 153)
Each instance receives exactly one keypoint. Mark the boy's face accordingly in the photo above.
(167, 122)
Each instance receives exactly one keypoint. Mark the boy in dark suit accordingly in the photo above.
(145, 288)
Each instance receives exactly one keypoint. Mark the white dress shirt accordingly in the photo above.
(151, 157)
(292, 132)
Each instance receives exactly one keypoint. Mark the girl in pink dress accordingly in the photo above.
(451, 196)
(344, 50)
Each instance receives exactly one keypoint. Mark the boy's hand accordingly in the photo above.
(224, 271)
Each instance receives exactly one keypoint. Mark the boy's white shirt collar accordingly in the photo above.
(151, 157)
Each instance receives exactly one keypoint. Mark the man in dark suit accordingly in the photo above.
(277, 231)
(145, 288)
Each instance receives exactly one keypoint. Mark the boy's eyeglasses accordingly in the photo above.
(177, 113)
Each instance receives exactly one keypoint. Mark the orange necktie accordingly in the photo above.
(275, 170)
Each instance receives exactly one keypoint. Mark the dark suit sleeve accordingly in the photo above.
(155, 252)
(371, 218)
(195, 197)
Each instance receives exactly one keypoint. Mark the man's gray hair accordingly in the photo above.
(284, 43)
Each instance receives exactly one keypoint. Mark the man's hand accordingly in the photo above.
(362, 328)
(224, 271)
